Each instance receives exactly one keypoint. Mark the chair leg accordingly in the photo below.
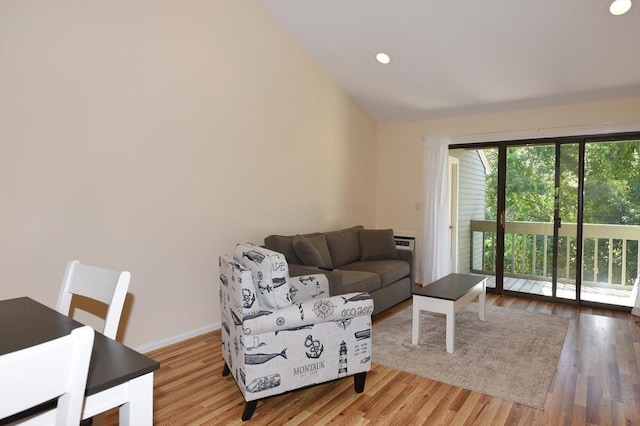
(249, 408)
(358, 381)
(225, 370)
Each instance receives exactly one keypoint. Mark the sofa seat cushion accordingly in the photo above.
(388, 270)
(355, 281)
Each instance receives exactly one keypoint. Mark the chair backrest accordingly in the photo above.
(270, 274)
(104, 285)
(55, 369)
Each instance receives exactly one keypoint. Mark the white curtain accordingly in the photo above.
(636, 293)
(436, 252)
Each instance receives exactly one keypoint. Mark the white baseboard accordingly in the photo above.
(179, 338)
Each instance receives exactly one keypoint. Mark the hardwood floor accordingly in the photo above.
(597, 382)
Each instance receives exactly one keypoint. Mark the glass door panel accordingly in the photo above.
(529, 219)
(611, 222)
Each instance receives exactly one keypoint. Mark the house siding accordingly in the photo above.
(471, 205)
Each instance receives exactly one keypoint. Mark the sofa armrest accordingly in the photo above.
(334, 276)
(307, 287)
(308, 313)
(407, 256)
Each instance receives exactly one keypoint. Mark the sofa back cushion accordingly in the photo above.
(377, 244)
(312, 250)
(344, 246)
(283, 244)
(270, 274)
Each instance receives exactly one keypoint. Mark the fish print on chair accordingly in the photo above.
(252, 359)
(253, 256)
(268, 288)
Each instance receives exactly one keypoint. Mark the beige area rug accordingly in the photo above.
(511, 355)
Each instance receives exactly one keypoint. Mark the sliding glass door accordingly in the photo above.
(557, 219)
(540, 215)
(611, 221)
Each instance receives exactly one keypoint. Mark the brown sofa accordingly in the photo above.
(353, 259)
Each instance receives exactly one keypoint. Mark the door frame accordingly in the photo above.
(454, 186)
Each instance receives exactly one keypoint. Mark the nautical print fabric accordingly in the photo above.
(240, 298)
(307, 287)
(317, 339)
(270, 274)
(315, 311)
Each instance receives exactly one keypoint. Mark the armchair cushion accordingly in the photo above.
(270, 274)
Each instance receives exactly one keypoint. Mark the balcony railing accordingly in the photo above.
(611, 255)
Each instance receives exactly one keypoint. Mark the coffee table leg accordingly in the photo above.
(415, 327)
(451, 329)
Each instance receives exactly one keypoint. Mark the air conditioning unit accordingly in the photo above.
(405, 243)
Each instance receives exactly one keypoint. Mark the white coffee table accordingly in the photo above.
(447, 296)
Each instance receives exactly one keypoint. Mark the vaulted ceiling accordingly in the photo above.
(455, 57)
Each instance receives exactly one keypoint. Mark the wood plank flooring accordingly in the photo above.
(597, 382)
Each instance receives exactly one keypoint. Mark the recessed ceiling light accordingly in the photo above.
(383, 58)
(620, 7)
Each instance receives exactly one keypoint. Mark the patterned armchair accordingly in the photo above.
(281, 333)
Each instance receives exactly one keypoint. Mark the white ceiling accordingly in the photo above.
(453, 57)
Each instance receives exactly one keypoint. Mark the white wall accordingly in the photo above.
(153, 136)
(400, 148)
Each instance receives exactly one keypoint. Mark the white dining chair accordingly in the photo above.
(50, 370)
(104, 285)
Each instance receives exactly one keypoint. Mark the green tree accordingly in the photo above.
(611, 187)
(612, 183)
(611, 191)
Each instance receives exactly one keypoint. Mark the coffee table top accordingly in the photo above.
(451, 287)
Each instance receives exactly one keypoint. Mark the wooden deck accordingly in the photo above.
(566, 291)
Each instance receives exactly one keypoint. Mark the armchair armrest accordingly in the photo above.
(314, 311)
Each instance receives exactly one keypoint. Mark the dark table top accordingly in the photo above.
(25, 322)
(451, 287)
